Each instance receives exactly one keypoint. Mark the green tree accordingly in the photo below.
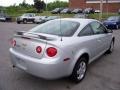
(57, 4)
(24, 4)
(39, 5)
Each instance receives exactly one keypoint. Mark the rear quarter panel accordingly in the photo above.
(73, 48)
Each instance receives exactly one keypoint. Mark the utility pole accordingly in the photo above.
(107, 6)
(46, 5)
(101, 9)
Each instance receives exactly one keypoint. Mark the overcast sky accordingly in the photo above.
(11, 2)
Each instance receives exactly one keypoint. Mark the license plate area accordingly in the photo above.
(21, 63)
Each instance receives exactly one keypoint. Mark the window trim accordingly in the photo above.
(83, 29)
(61, 33)
(101, 25)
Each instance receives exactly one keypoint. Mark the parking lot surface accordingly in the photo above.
(102, 74)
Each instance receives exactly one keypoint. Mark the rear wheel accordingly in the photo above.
(25, 21)
(79, 70)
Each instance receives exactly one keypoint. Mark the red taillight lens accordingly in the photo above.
(13, 42)
(38, 49)
(51, 52)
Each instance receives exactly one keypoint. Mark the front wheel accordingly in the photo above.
(111, 48)
(79, 70)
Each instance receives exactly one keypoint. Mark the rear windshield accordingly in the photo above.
(57, 27)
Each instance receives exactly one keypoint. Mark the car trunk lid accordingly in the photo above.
(28, 42)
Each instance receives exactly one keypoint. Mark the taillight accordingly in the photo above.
(51, 51)
(13, 42)
(38, 49)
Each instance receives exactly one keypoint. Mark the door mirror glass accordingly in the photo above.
(109, 31)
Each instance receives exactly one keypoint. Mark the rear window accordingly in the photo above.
(57, 27)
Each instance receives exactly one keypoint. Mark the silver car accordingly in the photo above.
(51, 18)
(40, 19)
(61, 48)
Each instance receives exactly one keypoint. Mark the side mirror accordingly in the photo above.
(109, 31)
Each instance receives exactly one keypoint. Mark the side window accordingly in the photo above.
(86, 31)
(30, 15)
(98, 28)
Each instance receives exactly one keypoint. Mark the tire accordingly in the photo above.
(37, 22)
(79, 70)
(18, 22)
(24, 21)
(111, 48)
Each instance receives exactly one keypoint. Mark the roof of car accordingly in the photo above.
(83, 22)
(80, 20)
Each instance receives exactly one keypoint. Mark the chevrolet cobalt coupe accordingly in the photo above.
(61, 47)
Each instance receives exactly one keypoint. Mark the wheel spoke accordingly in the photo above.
(81, 70)
(112, 46)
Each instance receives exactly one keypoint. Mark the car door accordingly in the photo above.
(88, 41)
(102, 37)
(31, 17)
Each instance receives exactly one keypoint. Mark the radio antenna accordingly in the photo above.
(46, 8)
(60, 20)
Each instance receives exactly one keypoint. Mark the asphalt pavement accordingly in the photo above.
(102, 74)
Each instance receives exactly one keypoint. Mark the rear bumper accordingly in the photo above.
(40, 67)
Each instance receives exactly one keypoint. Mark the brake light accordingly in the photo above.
(51, 51)
(13, 42)
(38, 49)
